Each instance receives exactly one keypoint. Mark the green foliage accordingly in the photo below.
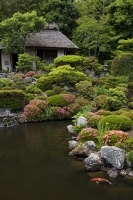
(93, 120)
(15, 30)
(122, 64)
(100, 90)
(5, 82)
(65, 74)
(100, 101)
(130, 85)
(13, 99)
(27, 62)
(127, 144)
(77, 129)
(93, 64)
(72, 110)
(44, 83)
(84, 110)
(72, 60)
(116, 122)
(57, 89)
(33, 89)
(116, 99)
(130, 104)
(130, 156)
(28, 98)
(62, 12)
(49, 93)
(85, 89)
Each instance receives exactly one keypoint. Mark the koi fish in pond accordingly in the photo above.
(97, 180)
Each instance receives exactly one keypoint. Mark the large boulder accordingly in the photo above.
(72, 144)
(82, 121)
(89, 147)
(113, 156)
(93, 162)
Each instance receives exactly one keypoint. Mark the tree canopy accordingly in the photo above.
(16, 29)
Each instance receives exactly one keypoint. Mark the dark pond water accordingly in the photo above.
(35, 165)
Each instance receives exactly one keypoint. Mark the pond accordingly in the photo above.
(35, 165)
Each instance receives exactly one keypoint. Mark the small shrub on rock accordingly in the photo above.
(87, 134)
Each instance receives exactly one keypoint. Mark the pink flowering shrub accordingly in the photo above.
(35, 111)
(69, 98)
(114, 136)
(87, 134)
(21, 75)
(30, 73)
(39, 103)
(72, 110)
(58, 112)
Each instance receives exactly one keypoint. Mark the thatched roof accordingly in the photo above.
(50, 38)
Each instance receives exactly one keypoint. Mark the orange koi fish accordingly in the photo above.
(97, 180)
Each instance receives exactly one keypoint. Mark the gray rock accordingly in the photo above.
(89, 147)
(82, 121)
(72, 144)
(70, 128)
(93, 162)
(113, 173)
(123, 172)
(113, 156)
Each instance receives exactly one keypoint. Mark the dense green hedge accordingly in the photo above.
(13, 99)
(116, 122)
(122, 64)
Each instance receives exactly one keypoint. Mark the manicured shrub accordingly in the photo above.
(85, 89)
(13, 99)
(127, 144)
(58, 113)
(104, 112)
(28, 98)
(49, 93)
(130, 85)
(122, 64)
(82, 101)
(128, 114)
(35, 111)
(72, 110)
(5, 82)
(33, 89)
(61, 100)
(57, 89)
(44, 83)
(130, 105)
(113, 136)
(87, 134)
(93, 120)
(116, 122)
(130, 157)
(72, 60)
(100, 101)
(115, 100)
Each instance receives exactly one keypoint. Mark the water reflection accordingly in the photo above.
(34, 164)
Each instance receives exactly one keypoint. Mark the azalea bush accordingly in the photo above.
(72, 110)
(58, 112)
(35, 111)
(87, 134)
(30, 73)
(114, 136)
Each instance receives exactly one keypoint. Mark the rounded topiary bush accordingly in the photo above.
(122, 64)
(116, 122)
(49, 93)
(100, 101)
(61, 100)
(87, 134)
(44, 83)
